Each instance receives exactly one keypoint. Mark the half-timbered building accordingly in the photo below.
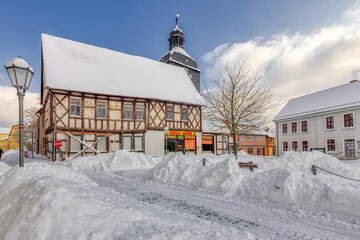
(97, 100)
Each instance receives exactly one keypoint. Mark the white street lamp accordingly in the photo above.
(166, 130)
(20, 74)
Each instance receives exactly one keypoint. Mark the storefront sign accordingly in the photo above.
(207, 137)
(182, 133)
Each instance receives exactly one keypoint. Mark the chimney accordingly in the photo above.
(352, 81)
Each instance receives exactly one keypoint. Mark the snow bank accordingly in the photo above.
(11, 158)
(4, 168)
(113, 161)
(287, 179)
(47, 201)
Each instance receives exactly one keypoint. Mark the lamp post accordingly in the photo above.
(20, 74)
(166, 130)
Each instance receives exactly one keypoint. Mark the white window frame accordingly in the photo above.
(187, 113)
(302, 146)
(330, 129)
(326, 144)
(125, 110)
(253, 138)
(297, 127)
(136, 112)
(261, 137)
(343, 120)
(287, 146)
(307, 126)
(75, 99)
(142, 143)
(172, 113)
(131, 142)
(97, 110)
(282, 128)
(106, 143)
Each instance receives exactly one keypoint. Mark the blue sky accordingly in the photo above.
(214, 30)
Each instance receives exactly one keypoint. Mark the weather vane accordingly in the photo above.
(177, 17)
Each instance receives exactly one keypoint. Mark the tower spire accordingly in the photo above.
(177, 18)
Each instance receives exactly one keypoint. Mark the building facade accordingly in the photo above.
(253, 144)
(270, 145)
(326, 121)
(11, 141)
(96, 100)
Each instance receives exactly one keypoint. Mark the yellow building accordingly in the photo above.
(10, 141)
(270, 145)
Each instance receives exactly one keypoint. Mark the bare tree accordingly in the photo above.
(31, 126)
(238, 101)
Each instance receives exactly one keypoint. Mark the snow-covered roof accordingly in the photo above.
(271, 134)
(344, 96)
(76, 66)
(177, 29)
(5, 138)
(179, 50)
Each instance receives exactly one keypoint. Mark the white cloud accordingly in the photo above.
(298, 64)
(9, 105)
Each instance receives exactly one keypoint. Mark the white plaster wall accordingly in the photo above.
(154, 143)
(317, 135)
(199, 143)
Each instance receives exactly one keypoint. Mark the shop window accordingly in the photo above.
(139, 145)
(169, 113)
(285, 146)
(127, 112)
(305, 146)
(348, 120)
(75, 107)
(259, 151)
(184, 115)
(75, 146)
(330, 122)
(331, 145)
(294, 127)
(285, 130)
(102, 145)
(304, 126)
(171, 145)
(294, 146)
(101, 110)
(127, 143)
(139, 113)
(250, 151)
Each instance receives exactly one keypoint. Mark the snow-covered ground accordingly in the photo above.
(125, 195)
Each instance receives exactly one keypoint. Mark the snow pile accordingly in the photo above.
(118, 160)
(47, 201)
(11, 157)
(4, 168)
(287, 179)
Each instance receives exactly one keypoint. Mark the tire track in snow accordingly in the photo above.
(266, 222)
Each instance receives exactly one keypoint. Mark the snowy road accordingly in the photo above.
(264, 220)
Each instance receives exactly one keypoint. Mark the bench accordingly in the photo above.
(247, 165)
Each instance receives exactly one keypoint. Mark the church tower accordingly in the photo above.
(179, 57)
